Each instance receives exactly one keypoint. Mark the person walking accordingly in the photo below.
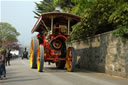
(2, 64)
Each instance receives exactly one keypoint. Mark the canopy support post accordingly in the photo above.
(52, 25)
(68, 26)
(45, 25)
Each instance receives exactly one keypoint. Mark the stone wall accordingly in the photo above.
(103, 53)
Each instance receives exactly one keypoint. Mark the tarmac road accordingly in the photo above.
(19, 73)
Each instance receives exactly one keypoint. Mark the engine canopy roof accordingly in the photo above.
(58, 17)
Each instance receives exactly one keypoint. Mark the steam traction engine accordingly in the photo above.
(49, 45)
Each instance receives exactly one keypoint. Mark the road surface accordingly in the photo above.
(19, 73)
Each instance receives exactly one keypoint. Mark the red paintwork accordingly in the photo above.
(51, 54)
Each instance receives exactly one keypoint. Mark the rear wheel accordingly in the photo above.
(40, 58)
(71, 58)
(33, 52)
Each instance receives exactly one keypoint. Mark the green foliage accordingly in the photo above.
(100, 16)
(65, 5)
(8, 33)
(82, 6)
(122, 30)
(43, 7)
(94, 18)
(119, 20)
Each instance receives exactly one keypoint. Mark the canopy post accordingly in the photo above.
(68, 26)
(52, 24)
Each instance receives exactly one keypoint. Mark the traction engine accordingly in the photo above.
(49, 45)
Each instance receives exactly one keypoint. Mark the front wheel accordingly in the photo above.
(40, 58)
(71, 58)
(33, 52)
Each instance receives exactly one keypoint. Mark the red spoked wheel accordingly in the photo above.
(71, 59)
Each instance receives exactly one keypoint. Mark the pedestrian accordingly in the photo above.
(8, 57)
(2, 64)
(25, 54)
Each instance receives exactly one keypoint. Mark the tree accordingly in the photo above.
(100, 16)
(8, 35)
(119, 19)
(44, 6)
(65, 5)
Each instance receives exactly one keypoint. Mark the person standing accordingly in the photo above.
(2, 64)
(8, 57)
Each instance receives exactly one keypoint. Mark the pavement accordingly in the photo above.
(20, 73)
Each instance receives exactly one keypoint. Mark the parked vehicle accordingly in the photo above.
(49, 45)
(25, 54)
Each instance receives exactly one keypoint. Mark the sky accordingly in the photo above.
(19, 13)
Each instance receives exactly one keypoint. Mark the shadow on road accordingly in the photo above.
(77, 70)
(54, 69)
(16, 79)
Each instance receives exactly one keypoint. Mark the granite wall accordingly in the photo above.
(103, 53)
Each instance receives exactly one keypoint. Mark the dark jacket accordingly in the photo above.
(2, 59)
